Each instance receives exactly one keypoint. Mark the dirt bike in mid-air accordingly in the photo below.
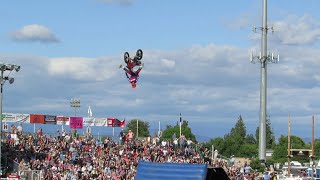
(130, 64)
(135, 61)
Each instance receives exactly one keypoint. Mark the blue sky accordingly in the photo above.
(196, 56)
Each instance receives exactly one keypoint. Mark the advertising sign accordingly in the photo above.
(36, 118)
(48, 119)
(76, 122)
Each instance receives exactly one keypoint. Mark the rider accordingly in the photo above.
(134, 75)
(133, 62)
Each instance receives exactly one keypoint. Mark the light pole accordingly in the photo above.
(75, 103)
(3, 78)
(263, 59)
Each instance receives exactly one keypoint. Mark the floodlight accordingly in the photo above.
(11, 80)
(17, 68)
(9, 67)
(3, 67)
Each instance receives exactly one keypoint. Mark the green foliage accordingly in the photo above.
(280, 153)
(256, 165)
(239, 144)
(248, 150)
(185, 129)
(218, 143)
(239, 132)
(235, 139)
(295, 141)
(168, 133)
(250, 139)
(317, 148)
(143, 127)
(270, 138)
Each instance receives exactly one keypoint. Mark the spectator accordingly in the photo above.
(122, 136)
(79, 157)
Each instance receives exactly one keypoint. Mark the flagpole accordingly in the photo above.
(112, 132)
(34, 128)
(212, 152)
(137, 128)
(180, 124)
(89, 112)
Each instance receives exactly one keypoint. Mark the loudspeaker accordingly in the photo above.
(216, 174)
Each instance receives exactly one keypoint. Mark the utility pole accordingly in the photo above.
(289, 147)
(263, 59)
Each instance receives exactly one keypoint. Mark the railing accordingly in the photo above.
(30, 174)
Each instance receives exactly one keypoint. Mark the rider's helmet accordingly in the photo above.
(133, 84)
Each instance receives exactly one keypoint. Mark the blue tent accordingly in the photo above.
(168, 171)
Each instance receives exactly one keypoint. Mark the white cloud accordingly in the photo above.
(79, 68)
(34, 33)
(296, 30)
(168, 63)
(293, 30)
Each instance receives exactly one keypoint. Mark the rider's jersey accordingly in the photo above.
(133, 79)
(131, 64)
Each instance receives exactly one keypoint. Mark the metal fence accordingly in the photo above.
(30, 174)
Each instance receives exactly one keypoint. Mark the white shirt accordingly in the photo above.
(189, 142)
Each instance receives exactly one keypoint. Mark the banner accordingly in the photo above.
(8, 117)
(24, 118)
(12, 117)
(62, 120)
(36, 118)
(76, 122)
(110, 122)
(48, 119)
(114, 122)
(119, 123)
(88, 121)
(100, 122)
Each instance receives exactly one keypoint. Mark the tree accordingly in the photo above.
(281, 150)
(250, 139)
(185, 129)
(239, 132)
(143, 127)
(218, 143)
(256, 165)
(234, 140)
(317, 148)
(248, 150)
(271, 140)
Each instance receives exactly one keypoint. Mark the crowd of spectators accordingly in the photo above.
(68, 155)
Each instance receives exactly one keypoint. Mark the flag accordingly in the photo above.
(114, 122)
(89, 112)
(180, 118)
(122, 123)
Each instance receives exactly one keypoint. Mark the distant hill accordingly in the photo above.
(202, 139)
(307, 139)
